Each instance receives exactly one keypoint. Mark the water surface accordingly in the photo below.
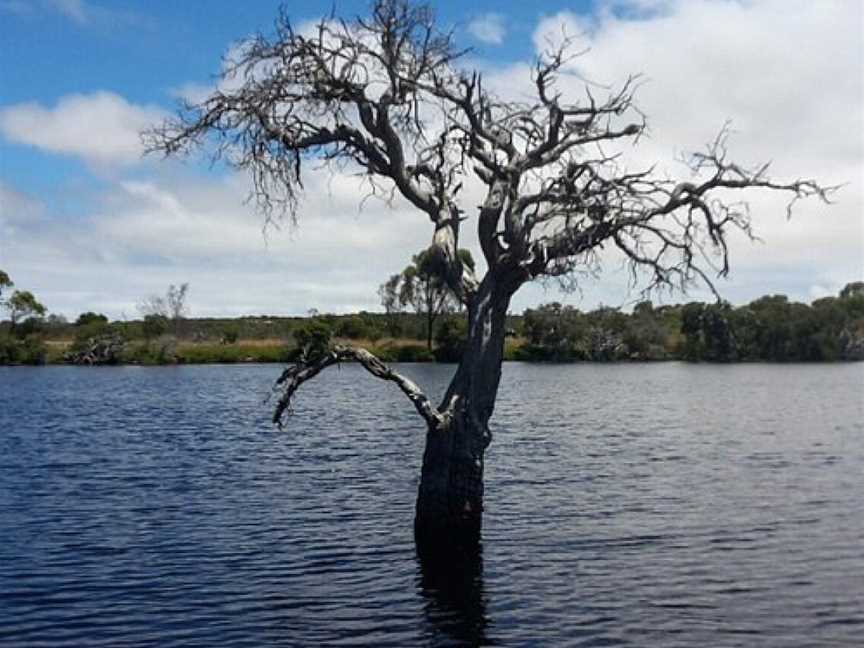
(627, 505)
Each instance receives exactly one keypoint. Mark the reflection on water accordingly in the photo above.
(452, 585)
(642, 505)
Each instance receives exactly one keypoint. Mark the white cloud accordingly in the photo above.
(192, 93)
(75, 10)
(790, 76)
(637, 8)
(102, 128)
(140, 236)
(709, 60)
(489, 28)
(82, 13)
(17, 207)
(553, 31)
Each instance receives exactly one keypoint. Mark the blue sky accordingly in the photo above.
(86, 224)
(146, 51)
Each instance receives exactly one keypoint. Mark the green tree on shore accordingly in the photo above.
(422, 286)
(89, 318)
(19, 344)
(23, 304)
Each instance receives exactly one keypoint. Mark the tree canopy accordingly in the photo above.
(387, 94)
(23, 304)
(89, 318)
(423, 287)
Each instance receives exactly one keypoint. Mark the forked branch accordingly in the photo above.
(296, 375)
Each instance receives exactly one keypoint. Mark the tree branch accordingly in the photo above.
(385, 94)
(294, 376)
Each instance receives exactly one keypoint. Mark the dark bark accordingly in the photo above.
(451, 580)
(430, 319)
(450, 496)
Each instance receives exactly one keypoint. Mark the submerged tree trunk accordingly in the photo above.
(449, 507)
(450, 496)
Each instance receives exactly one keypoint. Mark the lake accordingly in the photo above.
(627, 505)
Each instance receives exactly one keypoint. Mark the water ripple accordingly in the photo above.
(627, 505)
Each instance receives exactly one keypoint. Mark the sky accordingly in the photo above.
(88, 223)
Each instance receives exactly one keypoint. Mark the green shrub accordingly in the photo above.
(88, 318)
(386, 353)
(93, 329)
(154, 326)
(512, 348)
(29, 327)
(353, 328)
(161, 351)
(414, 353)
(30, 350)
(230, 334)
(229, 354)
(312, 340)
(450, 339)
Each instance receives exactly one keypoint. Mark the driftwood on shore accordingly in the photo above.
(99, 350)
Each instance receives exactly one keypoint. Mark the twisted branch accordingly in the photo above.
(386, 96)
(296, 375)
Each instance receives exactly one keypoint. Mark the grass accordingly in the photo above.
(242, 351)
(273, 350)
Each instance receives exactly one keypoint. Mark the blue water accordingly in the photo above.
(627, 505)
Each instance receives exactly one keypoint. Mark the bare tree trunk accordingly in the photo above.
(430, 318)
(450, 497)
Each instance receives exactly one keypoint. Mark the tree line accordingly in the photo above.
(422, 322)
(770, 328)
(17, 342)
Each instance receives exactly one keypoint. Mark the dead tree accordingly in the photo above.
(386, 95)
(104, 349)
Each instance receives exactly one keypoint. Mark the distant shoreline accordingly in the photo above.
(400, 350)
(769, 329)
